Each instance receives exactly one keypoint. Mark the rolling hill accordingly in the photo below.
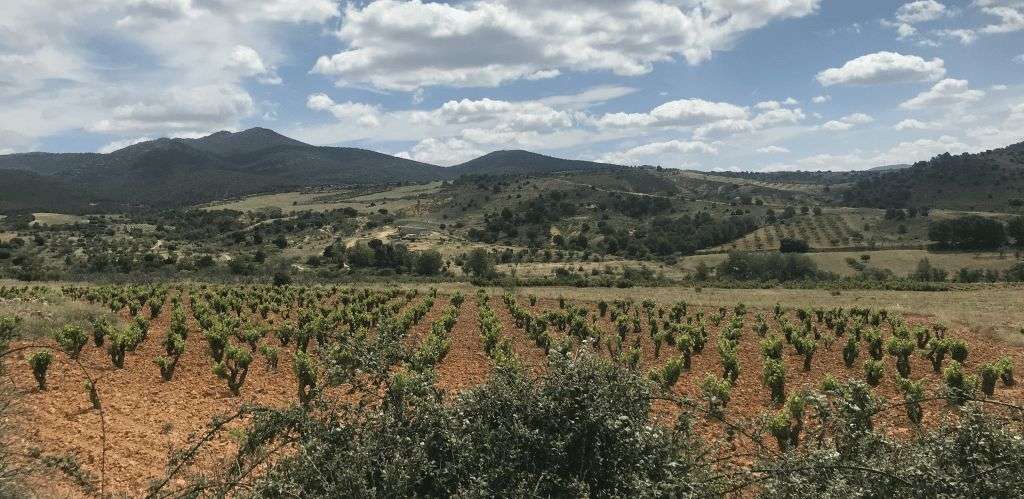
(180, 172)
(987, 181)
(523, 163)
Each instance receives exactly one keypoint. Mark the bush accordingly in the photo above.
(40, 363)
(234, 367)
(715, 391)
(774, 377)
(873, 371)
(767, 267)
(71, 339)
(787, 245)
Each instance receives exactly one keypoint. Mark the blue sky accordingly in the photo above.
(703, 84)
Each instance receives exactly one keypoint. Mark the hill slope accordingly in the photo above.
(178, 172)
(523, 163)
(988, 181)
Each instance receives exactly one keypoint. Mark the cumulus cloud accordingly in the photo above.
(883, 68)
(405, 45)
(773, 150)
(656, 151)
(821, 99)
(183, 108)
(450, 151)
(912, 124)
(1010, 14)
(921, 11)
(847, 122)
(247, 61)
(363, 114)
(964, 36)
(944, 93)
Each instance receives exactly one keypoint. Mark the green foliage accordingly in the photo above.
(716, 392)
(767, 267)
(960, 387)
(234, 367)
(850, 351)
(901, 349)
(40, 361)
(774, 377)
(873, 371)
(271, 355)
(306, 372)
(71, 339)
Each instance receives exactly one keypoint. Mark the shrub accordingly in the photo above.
(306, 372)
(774, 377)
(118, 343)
(767, 267)
(1006, 370)
(667, 376)
(874, 340)
(787, 245)
(771, 347)
(71, 339)
(958, 350)
(989, 376)
(715, 391)
(901, 349)
(807, 347)
(234, 367)
(913, 394)
(851, 351)
(727, 352)
(100, 330)
(873, 371)
(960, 387)
(937, 349)
(270, 354)
(217, 340)
(40, 361)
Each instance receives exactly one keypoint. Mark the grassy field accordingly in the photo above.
(57, 219)
(395, 199)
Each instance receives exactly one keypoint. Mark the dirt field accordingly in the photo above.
(145, 419)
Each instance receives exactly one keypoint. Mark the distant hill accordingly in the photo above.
(179, 172)
(987, 181)
(523, 163)
(888, 168)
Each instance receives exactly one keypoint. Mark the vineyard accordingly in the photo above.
(112, 403)
(834, 230)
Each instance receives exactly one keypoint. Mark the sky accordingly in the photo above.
(700, 84)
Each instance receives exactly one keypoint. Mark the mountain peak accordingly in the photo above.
(246, 141)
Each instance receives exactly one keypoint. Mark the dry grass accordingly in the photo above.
(41, 319)
(57, 219)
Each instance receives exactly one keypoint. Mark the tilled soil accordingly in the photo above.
(144, 419)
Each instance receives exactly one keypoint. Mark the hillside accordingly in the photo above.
(178, 172)
(987, 181)
(523, 163)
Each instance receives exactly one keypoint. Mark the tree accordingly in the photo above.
(429, 262)
(479, 263)
(968, 233)
(1016, 231)
(787, 245)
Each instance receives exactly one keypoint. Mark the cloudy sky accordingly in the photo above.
(706, 84)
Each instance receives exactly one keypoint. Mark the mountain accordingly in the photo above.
(987, 181)
(180, 172)
(888, 168)
(523, 163)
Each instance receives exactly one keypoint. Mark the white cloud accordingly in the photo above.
(249, 63)
(197, 108)
(847, 122)
(944, 93)
(904, 30)
(821, 99)
(363, 114)
(912, 124)
(1019, 59)
(920, 11)
(964, 36)
(999, 88)
(696, 111)
(773, 150)
(656, 151)
(883, 67)
(1011, 19)
(442, 151)
(405, 45)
